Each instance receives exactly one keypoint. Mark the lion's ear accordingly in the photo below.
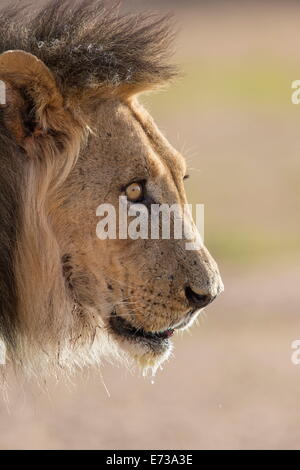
(32, 106)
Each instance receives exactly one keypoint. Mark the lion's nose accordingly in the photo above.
(198, 299)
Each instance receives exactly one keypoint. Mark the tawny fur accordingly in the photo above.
(72, 135)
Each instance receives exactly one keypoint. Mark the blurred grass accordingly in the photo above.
(252, 249)
(258, 82)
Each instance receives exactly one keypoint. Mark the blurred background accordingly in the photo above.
(232, 383)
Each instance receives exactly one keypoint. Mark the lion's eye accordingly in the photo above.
(134, 192)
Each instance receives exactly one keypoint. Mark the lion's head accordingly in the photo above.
(73, 136)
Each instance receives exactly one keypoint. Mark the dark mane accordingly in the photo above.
(11, 169)
(85, 43)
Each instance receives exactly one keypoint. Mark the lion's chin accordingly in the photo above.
(148, 349)
(145, 357)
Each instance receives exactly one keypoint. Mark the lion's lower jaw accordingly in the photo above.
(151, 363)
(147, 359)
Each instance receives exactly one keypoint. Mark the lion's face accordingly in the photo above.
(141, 289)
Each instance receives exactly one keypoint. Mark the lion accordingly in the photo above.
(74, 135)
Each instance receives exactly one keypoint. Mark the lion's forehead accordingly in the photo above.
(132, 137)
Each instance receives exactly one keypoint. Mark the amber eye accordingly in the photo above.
(134, 192)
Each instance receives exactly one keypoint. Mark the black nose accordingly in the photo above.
(197, 300)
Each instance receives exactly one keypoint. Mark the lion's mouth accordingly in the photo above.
(156, 340)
